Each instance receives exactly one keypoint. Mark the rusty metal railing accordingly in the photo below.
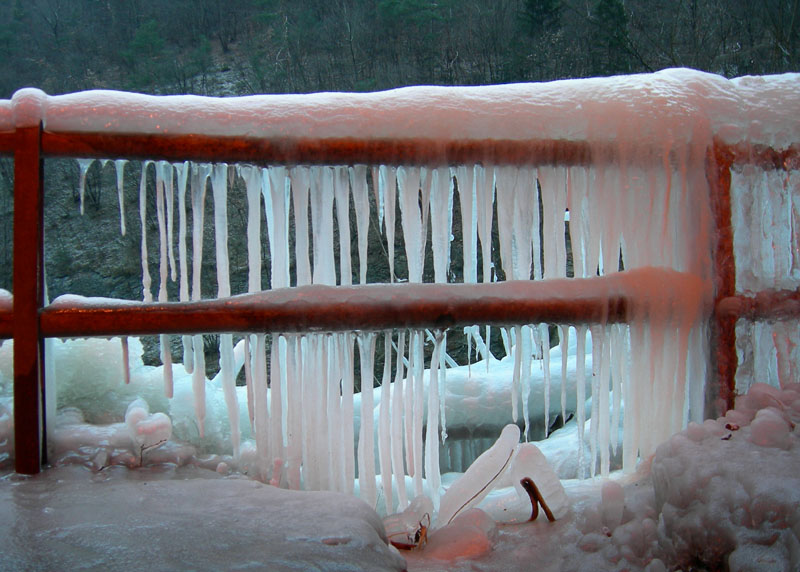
(28, 321)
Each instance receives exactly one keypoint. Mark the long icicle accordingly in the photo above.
(163, 172)
(182, 170)
(219, 187)
(366, 439)
(199, 177)
(397, 426)
(384, 426)
(119, 165)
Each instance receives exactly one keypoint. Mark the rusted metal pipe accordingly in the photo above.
(294, 151)
(721, 389)
(769, 305)
(366, 307)
(29, 404)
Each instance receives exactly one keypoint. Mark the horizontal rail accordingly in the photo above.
(314, 151)
(762, 156)
(612, 298)
(329, 308)
(210, 148)
(346, 151)
(764, 305)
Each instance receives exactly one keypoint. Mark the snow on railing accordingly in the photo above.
(641, 164)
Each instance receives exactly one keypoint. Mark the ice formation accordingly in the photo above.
(310, 377)
(637, 203)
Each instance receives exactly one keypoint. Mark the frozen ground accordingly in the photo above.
(724, 495)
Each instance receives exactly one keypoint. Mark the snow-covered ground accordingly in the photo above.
(724, 494)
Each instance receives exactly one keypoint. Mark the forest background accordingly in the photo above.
(242, 47)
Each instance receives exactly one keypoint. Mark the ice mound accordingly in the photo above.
(147, 430)
(729, 490)
(469, 535)
(163, 518)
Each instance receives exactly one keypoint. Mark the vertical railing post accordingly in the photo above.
(721, 389)
(29, 405)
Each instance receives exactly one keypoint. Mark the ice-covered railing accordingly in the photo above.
(642, 164)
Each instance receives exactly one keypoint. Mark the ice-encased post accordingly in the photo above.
(720, 392)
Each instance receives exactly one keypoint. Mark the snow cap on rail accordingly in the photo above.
(28, 107)
(674, 105)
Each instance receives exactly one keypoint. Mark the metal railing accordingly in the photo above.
(28, 321)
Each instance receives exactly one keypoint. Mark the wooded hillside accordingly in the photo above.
(225, 47)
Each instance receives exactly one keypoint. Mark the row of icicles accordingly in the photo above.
(308, 391)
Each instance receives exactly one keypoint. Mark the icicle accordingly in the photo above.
(506, 190)
(315, 381)
(375, 172)
(418, 364)
(465, 175)
(199, 176)
(277, 212)
(199, 384)
(580, 383)
(253, 182)
(366, 452)
(618, 360)
(169, 201)
(341, 191)
(358, 181)
(544, 334)
(397, 427)
(322, 221)
(294, 432)
(119, 165)
(260, 410)
(388, 190)
(432, 473)
(604, 421)
(563, 340)
(83, 165)
(334, 415)
(277, 359)
(166, 360)
(408, 184)
(484, 192)
(408, 408)
(443, 389)
(147, 296)
(526, 349)
(300, 185)
(311, 401)
(126, 361)
(219, 187)
(485, 200)
(554, 200)
(163, 170)
(182, 170)
(348, 431)
(248, 378)
(515, 381)
(578, 226)
(469, 221)
(384, 424)
(637, 396)
(441, 222)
